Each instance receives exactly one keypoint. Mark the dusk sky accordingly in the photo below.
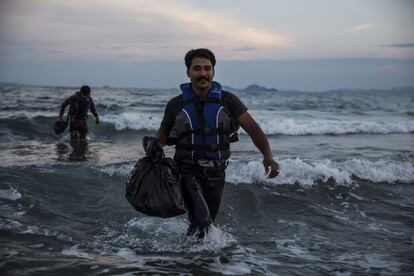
(299, 44)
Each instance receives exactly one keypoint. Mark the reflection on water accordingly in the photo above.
(77, 150)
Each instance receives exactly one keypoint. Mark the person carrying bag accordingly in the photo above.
(153, 187)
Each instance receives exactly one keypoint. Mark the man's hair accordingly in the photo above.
(201, 53)
(85, 90)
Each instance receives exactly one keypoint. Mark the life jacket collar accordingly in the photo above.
(188, 91)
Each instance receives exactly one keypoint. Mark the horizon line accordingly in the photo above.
(236, 89)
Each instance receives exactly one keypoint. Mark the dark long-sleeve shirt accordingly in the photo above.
(72, 100)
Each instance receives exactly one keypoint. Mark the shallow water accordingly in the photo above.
(341, 206)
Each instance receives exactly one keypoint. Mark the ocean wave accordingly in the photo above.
(333, 127)
(23, 228)
(10, 194)
(135, 121)
(118, 169)
(169, 236)
(151, 234)
(150, 121)
(75, 251)
(271, 126)
(307, 172)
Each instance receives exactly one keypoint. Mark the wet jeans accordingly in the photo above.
(78, 129)
(202, 190)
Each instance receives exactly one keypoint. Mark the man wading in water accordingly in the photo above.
(202, 122)
(80, 103)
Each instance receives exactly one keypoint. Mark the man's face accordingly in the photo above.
(201, 73)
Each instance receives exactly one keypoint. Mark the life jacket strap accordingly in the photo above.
(203, 132)
(203, 147)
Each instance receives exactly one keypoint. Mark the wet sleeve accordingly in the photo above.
(234, 104)
(169, 114)
(67, 102)
(93, 108)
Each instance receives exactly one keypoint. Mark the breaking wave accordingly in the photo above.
(147, 121)
(271, 126)
(159, 235)
(307, 172)
(135, 121)
(333, 127)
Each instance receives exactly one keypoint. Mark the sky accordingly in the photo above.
(309, 45)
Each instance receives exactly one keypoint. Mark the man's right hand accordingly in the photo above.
(273, 165)
(152, 147)
(61, 118)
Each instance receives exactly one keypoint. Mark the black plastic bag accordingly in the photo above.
(153, 187)
(60, 126)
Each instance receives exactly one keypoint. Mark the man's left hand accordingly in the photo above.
(97, 121)
(274, 167)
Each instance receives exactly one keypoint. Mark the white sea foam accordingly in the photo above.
(152, 234)
(9, 224)
(117, 169)
(307, 172)
(136, 121)
(10, 253)
(332, 127)
(370, 262)
(381, 170)
(290, 248)
(74, 251)
(130, 256)
(272, 125)
(236, 268)
(10, 194)
(293, 171)
(17, 227)
(37, 245)
(167, 235)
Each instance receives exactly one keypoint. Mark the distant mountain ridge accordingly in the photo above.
(251, 88)
(393, 89)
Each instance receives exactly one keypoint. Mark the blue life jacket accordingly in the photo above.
(79, 110)
(202, 129)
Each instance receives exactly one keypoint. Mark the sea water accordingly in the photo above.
(342, 205)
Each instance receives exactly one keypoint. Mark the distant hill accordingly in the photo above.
(403, 88)
(252, 88)
(394, 89)
(10, 83)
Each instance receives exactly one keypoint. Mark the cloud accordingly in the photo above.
(359, 28)
(54, 52)
(397, 45)
(243, 49)
(142, 29)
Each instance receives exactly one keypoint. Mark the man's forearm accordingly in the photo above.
(256, 134)
(161, 135)
(261, 142)
(63, 106)
(93, 110)
(62, 109)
